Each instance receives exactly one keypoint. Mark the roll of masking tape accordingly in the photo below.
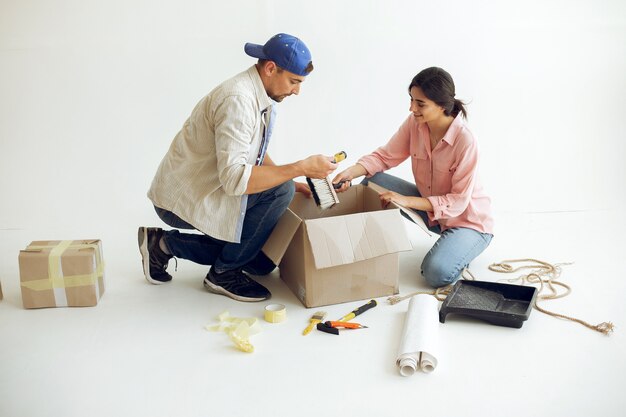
(275, 313)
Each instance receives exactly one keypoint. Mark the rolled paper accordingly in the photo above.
(419, 345)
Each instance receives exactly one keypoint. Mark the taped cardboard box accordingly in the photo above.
(62, 273)
(346, 253)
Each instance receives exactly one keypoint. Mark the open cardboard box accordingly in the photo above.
(346, 253)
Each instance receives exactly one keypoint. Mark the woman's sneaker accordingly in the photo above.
(153, 259)
(236, 285)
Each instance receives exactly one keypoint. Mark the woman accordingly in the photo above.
(447, 192)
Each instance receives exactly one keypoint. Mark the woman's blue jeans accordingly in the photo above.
(262, 213)
(455, 248)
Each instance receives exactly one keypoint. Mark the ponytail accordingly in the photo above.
(458, 107)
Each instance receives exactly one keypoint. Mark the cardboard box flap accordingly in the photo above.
(356, 237)
(414, 217)
(281, 236)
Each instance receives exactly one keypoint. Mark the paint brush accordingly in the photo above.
(323, 189)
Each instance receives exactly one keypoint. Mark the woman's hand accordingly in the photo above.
(390, 196)
(347, 176)
(416, 203)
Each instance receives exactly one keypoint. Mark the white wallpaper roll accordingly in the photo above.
(419, 346)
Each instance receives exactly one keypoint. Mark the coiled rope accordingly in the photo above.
(546, 274)
(542, 273)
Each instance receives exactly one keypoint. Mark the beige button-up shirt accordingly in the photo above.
(204, 175)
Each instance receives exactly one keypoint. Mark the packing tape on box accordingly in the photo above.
(56, 280)
(61, 282)
(275, 313)
(55, 272)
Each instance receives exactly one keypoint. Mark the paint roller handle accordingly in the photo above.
(358, 311)
(365, 307)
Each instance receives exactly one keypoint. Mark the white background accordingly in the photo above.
(92, 93)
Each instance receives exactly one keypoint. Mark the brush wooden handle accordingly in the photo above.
(310, 327)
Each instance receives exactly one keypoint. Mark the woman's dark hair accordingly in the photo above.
(437, 85)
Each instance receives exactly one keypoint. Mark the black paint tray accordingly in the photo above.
(500, 304)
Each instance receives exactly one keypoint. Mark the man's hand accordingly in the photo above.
(317, 166)
(268, 175)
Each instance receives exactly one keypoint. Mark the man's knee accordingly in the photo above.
(285, 192)
(439, 273)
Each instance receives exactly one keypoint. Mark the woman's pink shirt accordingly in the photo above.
(447, 175)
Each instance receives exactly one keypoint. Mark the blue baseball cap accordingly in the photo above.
(287, 51)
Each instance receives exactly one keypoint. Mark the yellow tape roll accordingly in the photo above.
(275, 313)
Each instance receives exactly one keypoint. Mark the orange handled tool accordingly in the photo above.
(344, 324)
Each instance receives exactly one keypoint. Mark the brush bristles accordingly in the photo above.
(323, 192)
(319, 315)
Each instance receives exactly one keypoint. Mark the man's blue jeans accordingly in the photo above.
(262, 213)
(455, 248)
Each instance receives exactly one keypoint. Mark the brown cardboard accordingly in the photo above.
(407, 212)
(346, 253)
(62, 273)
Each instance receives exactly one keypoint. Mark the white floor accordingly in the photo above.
(143, 350)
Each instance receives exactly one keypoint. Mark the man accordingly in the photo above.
(217, 178)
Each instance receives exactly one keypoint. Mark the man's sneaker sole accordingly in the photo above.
(216, 289)
(142, 238)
